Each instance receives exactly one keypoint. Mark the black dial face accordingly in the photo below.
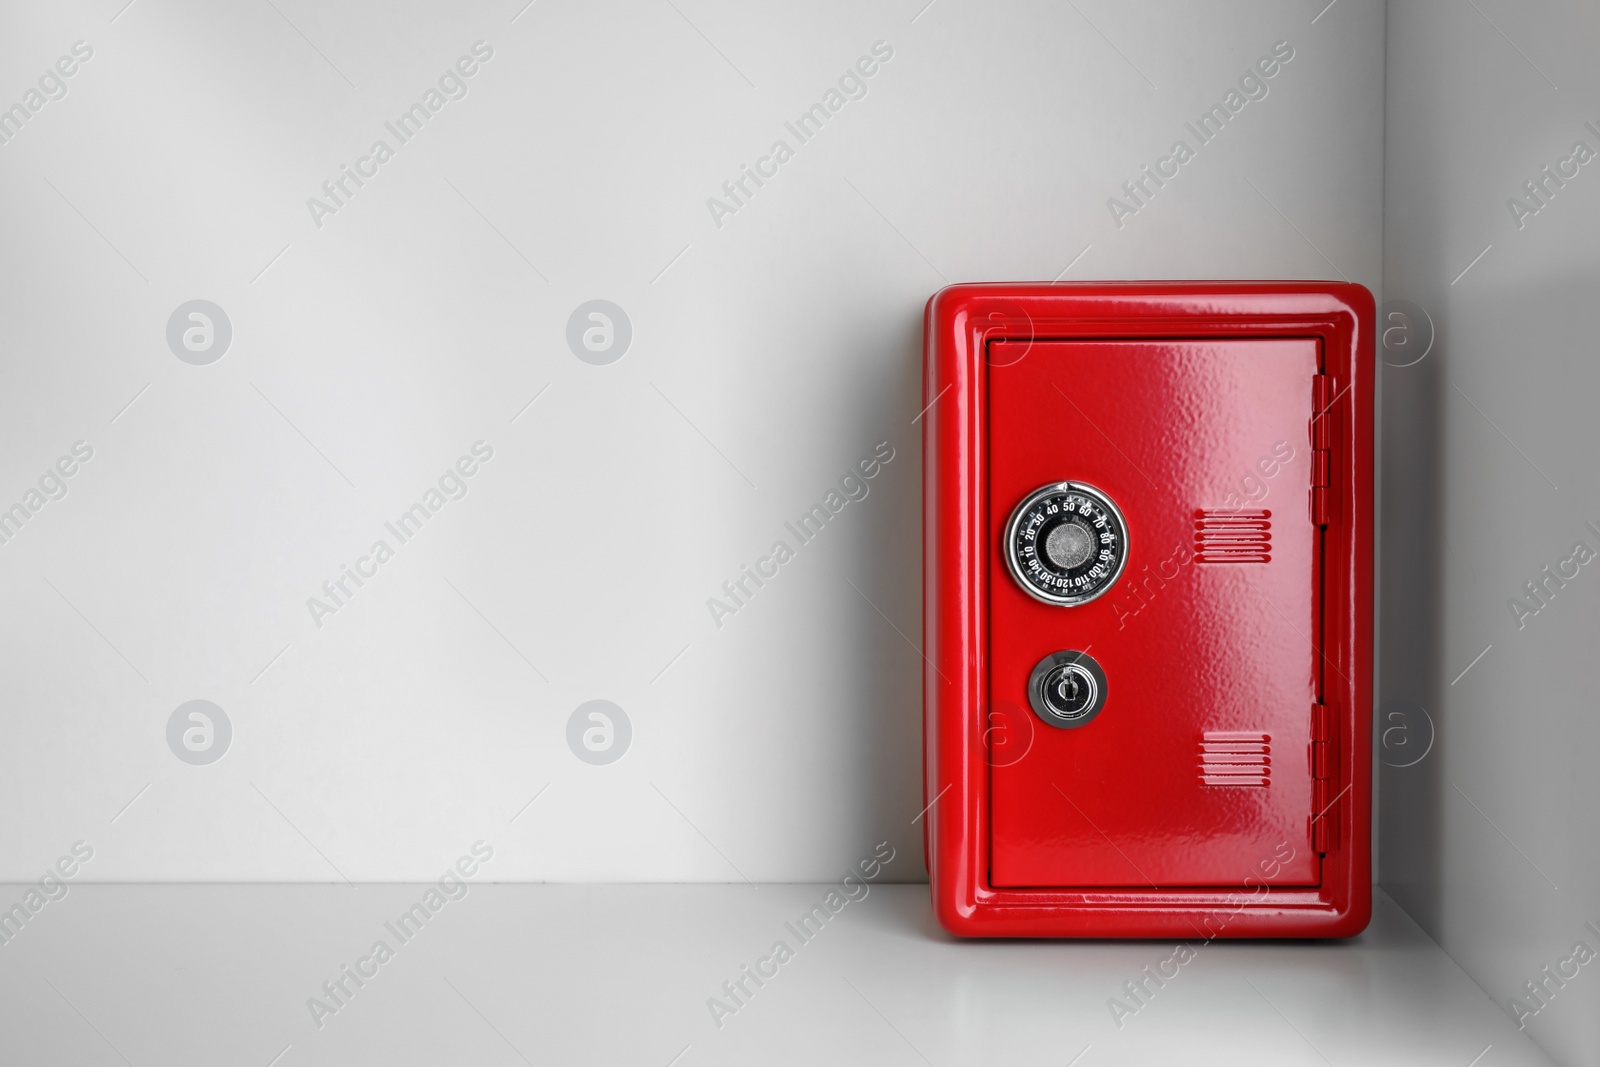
(1066, 543)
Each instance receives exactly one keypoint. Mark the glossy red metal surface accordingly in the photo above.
(1223, 786)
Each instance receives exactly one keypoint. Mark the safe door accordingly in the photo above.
(1154, 612)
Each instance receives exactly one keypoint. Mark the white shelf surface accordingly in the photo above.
(613, 974)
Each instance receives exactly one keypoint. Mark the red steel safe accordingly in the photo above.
(1147, 541)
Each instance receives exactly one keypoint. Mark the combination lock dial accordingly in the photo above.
(1066, 543)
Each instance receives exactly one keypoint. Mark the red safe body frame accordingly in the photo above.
(961, 321)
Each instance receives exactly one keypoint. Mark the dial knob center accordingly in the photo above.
(1069, 545)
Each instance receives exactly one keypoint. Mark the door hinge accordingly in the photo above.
(1322, 399)
(1323, 800)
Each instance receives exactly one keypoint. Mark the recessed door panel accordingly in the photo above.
(1172, 747)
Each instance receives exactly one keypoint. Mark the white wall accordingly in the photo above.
(1489, 840)
(768, 356)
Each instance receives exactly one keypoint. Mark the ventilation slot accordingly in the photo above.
(1232, 536)
(1233, 758)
